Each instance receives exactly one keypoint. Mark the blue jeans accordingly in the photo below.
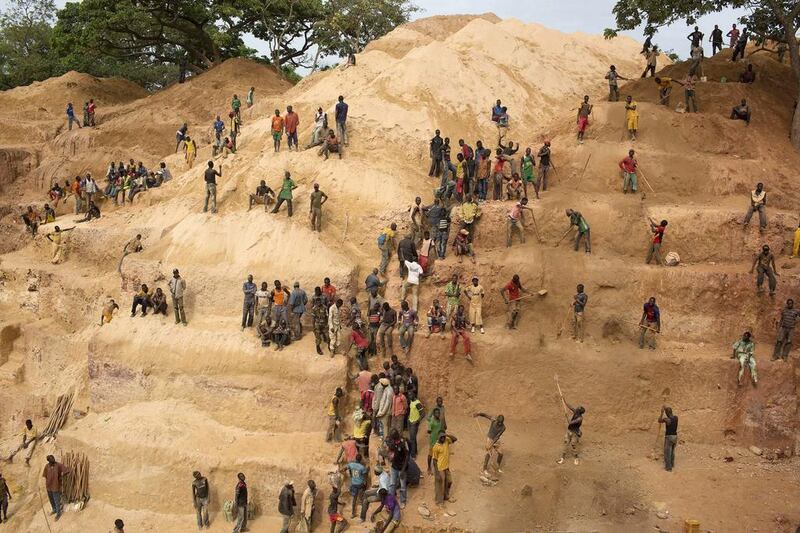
(403, 486)
(55, 501)
(442, 236)
(482, 188)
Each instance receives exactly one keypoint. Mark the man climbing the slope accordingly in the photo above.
(613, 88)
(584, 110)
(286, 193)
(758, 202)
(649, 324)
(515, 221)
(764, 264)
(544, 164)
(219, 128)
(386, 245)
(743, 350)
(189, 152)
(655, 245)
(512, 294)
(786, 323)
(458, 330)
(58, 240)
(497, 427)
(652, 60)
(334, 416)
(631, 117)
(210, 177)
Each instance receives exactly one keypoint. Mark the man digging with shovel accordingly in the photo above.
(573, 436)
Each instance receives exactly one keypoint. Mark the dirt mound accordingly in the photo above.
(164, 399)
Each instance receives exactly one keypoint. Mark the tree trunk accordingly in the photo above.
(790, 31)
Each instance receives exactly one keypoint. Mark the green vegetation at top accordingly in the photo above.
(154, 43)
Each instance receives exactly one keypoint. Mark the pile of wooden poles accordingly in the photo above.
(75, 487)
(59, 415)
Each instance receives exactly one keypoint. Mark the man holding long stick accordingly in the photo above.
(649, 324)
(574, 422)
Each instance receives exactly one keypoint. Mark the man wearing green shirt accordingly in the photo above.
(236, 105)
(286, 193)
(453, 292)
(743, 351)
(435, 429)
(528, 166)
(577, 220)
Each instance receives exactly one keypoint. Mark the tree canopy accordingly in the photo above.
(153, 42)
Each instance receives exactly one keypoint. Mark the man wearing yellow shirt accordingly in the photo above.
(190, 151)
(664, 90)
(416, 411)
(796, 244)
(440, 453)
(470, 212)
(631, 117)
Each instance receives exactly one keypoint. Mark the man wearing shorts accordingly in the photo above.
(277, 130)
(584, 110)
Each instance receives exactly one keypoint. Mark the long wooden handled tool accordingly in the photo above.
(563, 403)
(535, 227)
(565, 234)
(639, 171)
(564, 323)
(583, 171)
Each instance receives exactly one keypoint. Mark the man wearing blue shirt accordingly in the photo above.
(249, 306)
(358, 474)
(341, 120)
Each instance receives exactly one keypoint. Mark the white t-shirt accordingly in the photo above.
(414, 270)
(262, 297)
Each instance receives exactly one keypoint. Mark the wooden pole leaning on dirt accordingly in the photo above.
(76, 482)
(535, 227)
(639, 170)
(583, 171)
(59, 415)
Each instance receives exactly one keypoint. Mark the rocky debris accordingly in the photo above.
(423, 511)
(630, 511)
(526, 492)
(672, 259)
(663, 515)
(755, 450)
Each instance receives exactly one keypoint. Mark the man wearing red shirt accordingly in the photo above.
(290, 122)
(358, 338)
(512, 293)
(655, 245)
(629, 166)
(399, 409)
(329, 291)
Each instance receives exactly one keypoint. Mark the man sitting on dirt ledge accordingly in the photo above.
(743, 351)
(741, 112)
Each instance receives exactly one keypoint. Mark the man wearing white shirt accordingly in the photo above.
(412, 282)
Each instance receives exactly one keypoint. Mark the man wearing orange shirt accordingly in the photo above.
(277, 130)
(399, 409)
(291, 122)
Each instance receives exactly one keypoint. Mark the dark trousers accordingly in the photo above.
(649, 68)
(716, 47)
(139, 301)
(278, 205)
(248, 312)
(436, 167)
(55, 501)
(412, 438)
(738, 51)
(669, 451)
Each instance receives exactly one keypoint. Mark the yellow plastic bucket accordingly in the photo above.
(692, 526)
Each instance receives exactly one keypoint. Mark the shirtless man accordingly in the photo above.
(131, 247)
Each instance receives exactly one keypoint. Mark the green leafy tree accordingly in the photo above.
(25, 52)
(351, 24)
(776, 20)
